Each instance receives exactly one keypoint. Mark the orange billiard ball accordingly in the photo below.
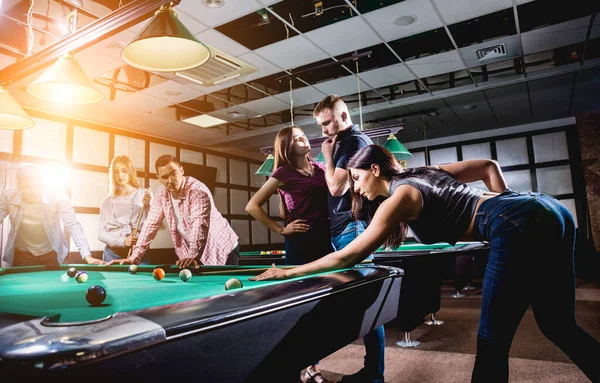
(158, 273)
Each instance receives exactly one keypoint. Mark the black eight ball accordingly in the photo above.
(95, 295)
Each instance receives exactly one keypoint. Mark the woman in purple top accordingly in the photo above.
(301, 185)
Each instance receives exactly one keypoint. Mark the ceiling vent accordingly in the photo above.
(219, 68)
(491, 53)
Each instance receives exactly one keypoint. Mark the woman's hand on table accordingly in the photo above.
(93, 261)
(271, 273)
(124, 261)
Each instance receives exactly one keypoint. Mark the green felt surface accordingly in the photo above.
(419, 246)
(29, 291)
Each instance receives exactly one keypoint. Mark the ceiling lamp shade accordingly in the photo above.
(165, 45)
(396, 148)
(12, 116)
(65, 83)
(266, 169)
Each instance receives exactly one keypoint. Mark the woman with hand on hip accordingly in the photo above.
(300, 183)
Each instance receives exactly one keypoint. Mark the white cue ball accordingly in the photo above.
(185, 275)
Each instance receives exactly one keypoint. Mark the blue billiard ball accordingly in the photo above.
(95, 295)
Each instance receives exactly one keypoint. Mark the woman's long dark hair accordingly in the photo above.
(362, 208)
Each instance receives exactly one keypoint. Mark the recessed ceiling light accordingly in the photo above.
(204, 121)
(235, 114)
(214, 3)
(172, 92)
(469, 107)
(404, 21)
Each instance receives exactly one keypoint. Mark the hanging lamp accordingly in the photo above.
(266, 169)
(65, 82)
(165, 45)
(12, 116)
(396, 148)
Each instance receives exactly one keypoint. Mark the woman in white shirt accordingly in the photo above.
(123, 211)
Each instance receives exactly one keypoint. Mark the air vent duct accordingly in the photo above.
(492, 52)
(219, 68)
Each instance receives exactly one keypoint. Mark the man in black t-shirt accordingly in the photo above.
(334, 118)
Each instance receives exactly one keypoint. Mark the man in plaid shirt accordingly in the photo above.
(36, 236)
(200, 233)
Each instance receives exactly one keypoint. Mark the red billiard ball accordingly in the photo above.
(95, 295)
(158, 273)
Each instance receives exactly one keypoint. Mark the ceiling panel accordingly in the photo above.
(550, 97)
(266, 105)
(302, 96)
(436, 64)
(232, 9)
(285, 53)
(224, 43)
(361, 36)
(173, 91)
(265, 68)
(422, 12)
(458, 10)
(555, 36)
(474, 111)
(392, 74)
(511, 104)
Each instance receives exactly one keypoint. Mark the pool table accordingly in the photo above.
(422, 281)
(256, 258)
(149, 330)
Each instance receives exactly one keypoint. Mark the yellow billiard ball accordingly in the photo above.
(233, 283)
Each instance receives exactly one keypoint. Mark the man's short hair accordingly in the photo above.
(329, 102)
(164, 160)
(28, 171)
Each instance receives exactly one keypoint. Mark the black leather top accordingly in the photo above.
(448, 205)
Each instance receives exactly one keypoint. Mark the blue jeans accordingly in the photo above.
(117, 253)
(531, 238)
(375, 340)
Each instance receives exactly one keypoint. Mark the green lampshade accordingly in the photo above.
(320, 158)
(266, 169)
(396, 148)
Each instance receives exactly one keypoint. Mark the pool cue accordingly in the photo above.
(140, 214)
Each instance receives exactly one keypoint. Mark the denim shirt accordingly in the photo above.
(56, 207)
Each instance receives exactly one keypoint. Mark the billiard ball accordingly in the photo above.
(81, 277)
(233, 283)
(71, 272)
(95, 295)
(158, 273)
(2, 271)
(133, 269)
(185, 275)
(263, 252)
